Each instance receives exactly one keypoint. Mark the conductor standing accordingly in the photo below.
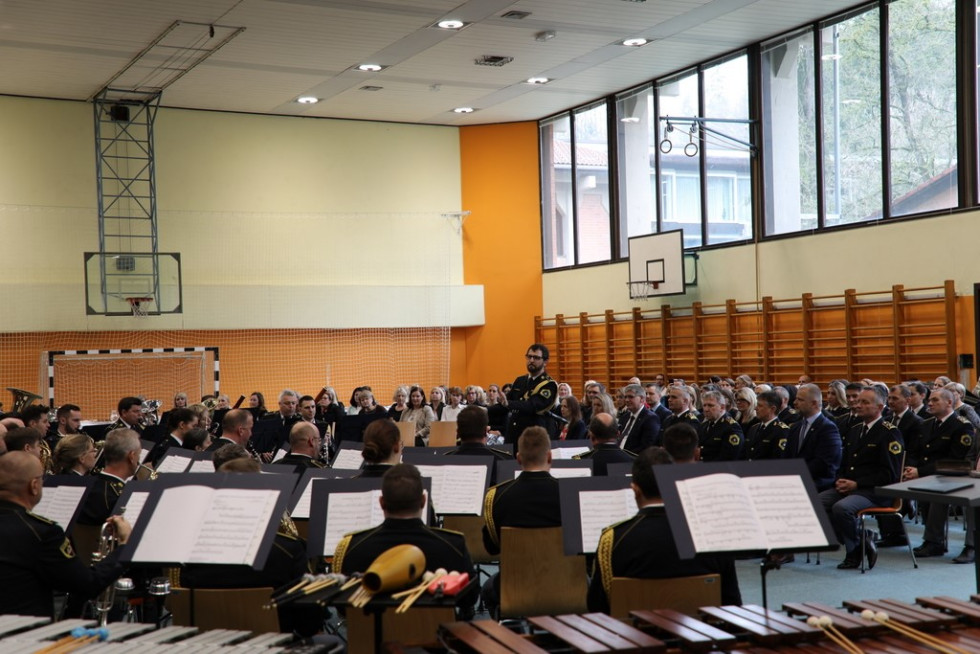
(532, 396)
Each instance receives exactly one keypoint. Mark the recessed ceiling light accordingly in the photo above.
(464, 110)
(635, 43)
(307, 99)
(450, 24)
(370, 68)
(629, 119)
(538, 80)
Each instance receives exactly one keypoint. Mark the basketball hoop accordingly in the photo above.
(642, 289)
(139, 305)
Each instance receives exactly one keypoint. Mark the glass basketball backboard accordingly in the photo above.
(656, 264)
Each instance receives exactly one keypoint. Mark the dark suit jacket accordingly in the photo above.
(603, 454)
(661, 411)
(821, 450)
(645, 431)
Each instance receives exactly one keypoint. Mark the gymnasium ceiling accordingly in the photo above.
(71, 49)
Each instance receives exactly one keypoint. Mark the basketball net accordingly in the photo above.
(139, 305)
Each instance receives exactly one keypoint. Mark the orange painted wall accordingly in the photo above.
(501, 249)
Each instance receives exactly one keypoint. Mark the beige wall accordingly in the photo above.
(280, 222)
(914, 253)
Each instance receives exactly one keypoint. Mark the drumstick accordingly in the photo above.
(825, 623)
(417, 593)
(926, 639)
(426, 580)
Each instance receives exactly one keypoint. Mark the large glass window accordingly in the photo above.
(789, 134)
(922, 101)
(558, 226)
(637, 127)
(592, 184)
(680, 195)
(851, 78)
(725, 138)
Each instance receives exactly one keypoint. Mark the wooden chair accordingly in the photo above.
(682, 594)
(536, 577)
(876, 511)
(223, 608)
(415, 627)
(442, 433)
(407, 431)
(471, 526)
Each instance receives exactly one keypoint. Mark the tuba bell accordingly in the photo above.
(22, 399)
(149, 411)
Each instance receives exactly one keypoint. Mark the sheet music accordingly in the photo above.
(720, 514)
(170, 535)
(174, 463)
(567, 452)
(783, 507)
(347, 512)
(134, 506)
(456, 489)
(559, 473)
(143, 454)
(232, 528)
(58, 503)
(599, 509)
(202, 465)
(279, 454)
(302, 508)
(348, 460)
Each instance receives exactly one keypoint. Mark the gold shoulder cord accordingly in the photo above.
(287, 527)
(488, 514)
(603, 556)
(339, 553)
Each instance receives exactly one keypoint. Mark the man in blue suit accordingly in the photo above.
(815, 438)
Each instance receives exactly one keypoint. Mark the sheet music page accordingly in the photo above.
(279, 454)
(302, 508)
(174, 463)
(456, 489)
(599, 509)
(720, 514)
(347, 512)
(143, 454)
(567, 452)
(172, 528)
(134, 506)
(559, 473)
(785, 511)
(202, 465)
(58, 503)
(232, 529)
(348, 460)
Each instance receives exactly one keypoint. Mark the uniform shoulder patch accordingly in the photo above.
(545, 393)
(895, 447)
(734, 439)
(729, 420)
(966, 440)
(889, 425)
(781, 444)
(780, 424)
(66, 549)
(963, 420)
(41, 518)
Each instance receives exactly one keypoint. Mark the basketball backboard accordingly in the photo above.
(113, 278)
(656, 264)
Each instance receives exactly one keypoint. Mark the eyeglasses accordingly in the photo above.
(533, 357)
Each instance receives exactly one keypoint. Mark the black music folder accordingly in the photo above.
(747, 507)
(340, 506)
(588, 505)
(299, 503)
(62, 497)
(221, 518)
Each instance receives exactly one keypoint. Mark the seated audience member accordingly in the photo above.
(530, 500)
(682, 443)
(721, 437)
(643, 546)
(836, 400)
(399, 402)
(419, 413)
(872, 457)
(437, 401)
(574, 428)
(845, 421)
(403, 502)
(960, 407)
(451, 411)
(304, 447)
(605, 446)
(679, 404)
(74, 455)
(601, 403)
(745, 405)
(287, 562)
(121, 459)
(36, 558)
(787, 413)
(497, 409)
(639, 426)
(814, 438)
(767, 438)
(475, 396)
(382, 448)
(918, 395)
(471, 429)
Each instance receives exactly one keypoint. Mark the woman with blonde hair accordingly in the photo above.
(74, 455)
(745, 403)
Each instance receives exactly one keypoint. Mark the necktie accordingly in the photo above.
(626, 431)
(803, 431)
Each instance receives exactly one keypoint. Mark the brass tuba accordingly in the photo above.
(149, 412)
(22, 399)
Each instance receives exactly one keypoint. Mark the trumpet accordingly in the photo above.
(104, 602)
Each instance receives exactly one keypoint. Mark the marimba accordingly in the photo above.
(28, 635)
(953, 624)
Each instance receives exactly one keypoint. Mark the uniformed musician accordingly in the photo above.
(644, 547)
(471, 429)
(130, 412)
(872, 457)
(304, 447)
(605, 446)
(121, 458)
(720, 435)
(532, 396)
(36, 557)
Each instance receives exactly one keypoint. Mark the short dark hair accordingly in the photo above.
(680, 441)
(401, 488)
(240, 464)
(305, 398)
(643, 475)
(379, 440)
(195, 438)
(854, 386)
(127, 403)
(603, 431)
(178, 416)
(227, 453)
(66, 409)
(545, 354)
(770, 398)
(33, 412)
(533, 446)
(20, 437)
(919, 387)
(471, 423)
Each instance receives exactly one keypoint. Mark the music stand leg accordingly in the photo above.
(764, 567)
(976, 535)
